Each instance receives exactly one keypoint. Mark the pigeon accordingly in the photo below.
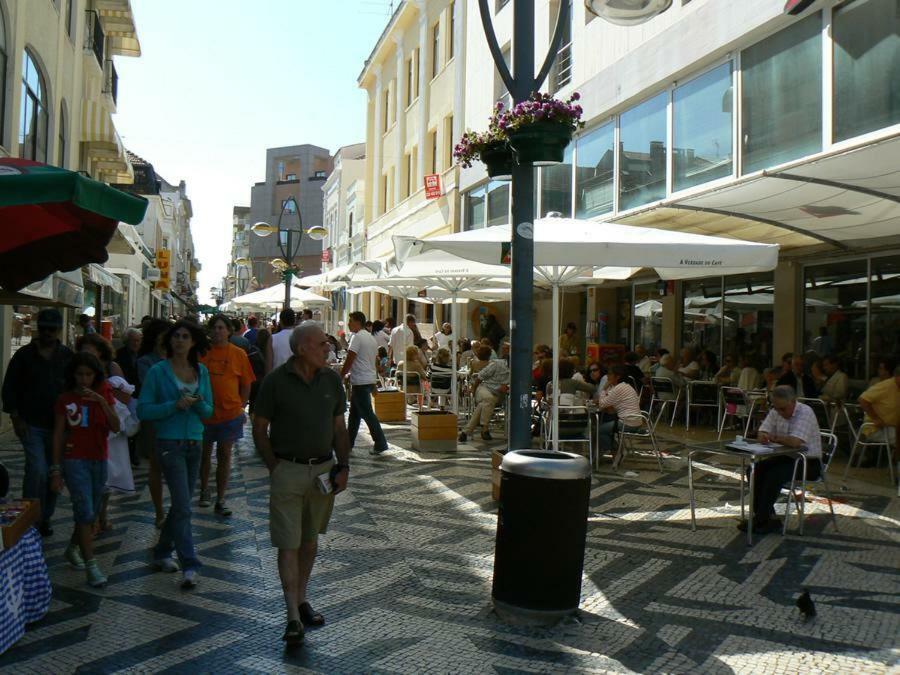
(806, 605)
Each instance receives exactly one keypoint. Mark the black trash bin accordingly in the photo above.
(541, 532)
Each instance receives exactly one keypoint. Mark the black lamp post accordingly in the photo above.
(520, 84)
(289, 240)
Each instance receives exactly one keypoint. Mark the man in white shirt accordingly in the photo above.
(401, 338)
(281, 341)
(362, 353)
(444, 337)
(789, 423)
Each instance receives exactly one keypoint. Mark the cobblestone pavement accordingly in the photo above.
(404, 577)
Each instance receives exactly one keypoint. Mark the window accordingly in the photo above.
(647, 317)
(866, 67)
(291, 176)
(2, 75)
(317, 174)
(350, 225)
(451, 32)
(884, 338)
(497, 203)
(500, 5)
(642, 153)
(435, 49)
(594, 177)
(387, 109)
(782, 96)
(556, 186)
(417, 60)
(384, 194)
(561, 73)
(703, 129)
(474, 209)
(500, 91)
(289, 205)
(749, 320)
(34, 118)
(70, 27)
(410, 80)
(448, 142)
(409, 175)
(432, 137)
(63, 134)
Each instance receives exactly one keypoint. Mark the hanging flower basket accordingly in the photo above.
(540, 143)
(498, 159)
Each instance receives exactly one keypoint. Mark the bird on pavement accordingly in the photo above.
(806, 605)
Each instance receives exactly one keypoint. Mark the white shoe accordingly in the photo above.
(166, 564)
(190, 580)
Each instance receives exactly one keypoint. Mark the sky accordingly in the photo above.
(219, 81)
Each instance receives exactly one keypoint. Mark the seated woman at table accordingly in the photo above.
(688, 366)
(709, 365)
(440, 371)
(789, 423)
(482, 357)
(729, 374)
(415, 370)
(568, 384)
(749, 377)
(465, 356)
(619, 398)
(594, 375)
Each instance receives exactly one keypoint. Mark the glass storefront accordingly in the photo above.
(866, 67)
(556, 186)
(497, 203)
(884, 321)
(703, 128)
(782, 96)
(648, 313)
(474, 209)
(642, 153)
(595, 172)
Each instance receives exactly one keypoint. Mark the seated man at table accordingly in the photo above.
(620, 398)
(490, 383)
(789, 423)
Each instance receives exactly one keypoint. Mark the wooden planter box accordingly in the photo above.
(390, 406)
(496, 461)
(434, 430)
(13, 531)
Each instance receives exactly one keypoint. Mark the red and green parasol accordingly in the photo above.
(53, 220)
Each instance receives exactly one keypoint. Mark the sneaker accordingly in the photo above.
(462, 437)
(167, 565)
(189, 580)
(222, 510)
(375, 451)
(293, 634)
(73, 556)
(95, 577)
(204, 499)
(486, 436)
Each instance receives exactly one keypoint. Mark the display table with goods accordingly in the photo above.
(24, 582)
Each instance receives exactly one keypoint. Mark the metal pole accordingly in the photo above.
(288, 273)
(556, 356)
(454, 385)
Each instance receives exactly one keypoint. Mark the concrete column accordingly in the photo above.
(788, 296)
(400, 131)
(459, 55)
(378, 207)
(423, 90)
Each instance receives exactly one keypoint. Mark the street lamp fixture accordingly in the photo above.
(627, 12)
(289, 240)
(242, 261)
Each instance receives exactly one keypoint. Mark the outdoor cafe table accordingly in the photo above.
(743, 451)
(24, 587)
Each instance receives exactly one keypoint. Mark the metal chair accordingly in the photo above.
(665, 392)
(441, 384)
(700, 394)
(574, 427)
(867, 428)
(741, 404)
(643, 432)
(823, 414)
(829, 446)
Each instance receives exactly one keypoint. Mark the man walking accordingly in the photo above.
(360, 365)
(34, 380)
(281, 348)
(298, 429)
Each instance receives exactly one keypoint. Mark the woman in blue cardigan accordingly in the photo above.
(177, 397)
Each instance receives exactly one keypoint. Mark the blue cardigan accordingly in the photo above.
(159, 394)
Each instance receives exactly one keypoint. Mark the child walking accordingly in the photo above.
(84, 417)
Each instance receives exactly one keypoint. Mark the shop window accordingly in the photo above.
(647, 319)
(703, 129)
(782, 96)
(866, 67)
(34, 120)
(749, 319)
(884, 331)
(701, 315)
(497, 203)
(642, 156)
(556, 186)
(594, 177)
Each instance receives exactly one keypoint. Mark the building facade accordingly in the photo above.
(238, 278)
(732, 119)
(295, 172)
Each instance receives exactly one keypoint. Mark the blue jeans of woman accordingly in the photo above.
(180, 464)
(361, 409)
(38, 445)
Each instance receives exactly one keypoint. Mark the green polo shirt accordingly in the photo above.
(301, 414)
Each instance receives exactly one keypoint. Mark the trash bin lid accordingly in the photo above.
(546, 464)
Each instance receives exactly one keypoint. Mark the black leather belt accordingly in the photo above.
(298, 460)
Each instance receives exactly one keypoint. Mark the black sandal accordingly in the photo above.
(309, 616)
(293, 634)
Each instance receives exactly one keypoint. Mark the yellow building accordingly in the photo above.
(414, 83)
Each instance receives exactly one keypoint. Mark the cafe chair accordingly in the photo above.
(664, 392)
(642, 433)
(862, 445)
(823, 414)
(574, 427)
(700, 394)
(799, 487)
(736, 405)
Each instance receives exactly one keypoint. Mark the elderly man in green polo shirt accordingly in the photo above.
(298, 429)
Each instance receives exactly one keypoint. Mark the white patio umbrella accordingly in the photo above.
(274, 297)
(596, 245)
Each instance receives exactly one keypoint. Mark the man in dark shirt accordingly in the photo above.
(798, 380)
(298, 430)
(34, 380)
(237, 338)
(252, 330)
(127, 355)
(633, 374)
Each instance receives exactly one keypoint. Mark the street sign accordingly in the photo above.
(432, 186)
(163, 258)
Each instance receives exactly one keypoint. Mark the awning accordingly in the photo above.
(62, 289)
(844, 200)
(117, 20)
(101, 277)
(104, 146)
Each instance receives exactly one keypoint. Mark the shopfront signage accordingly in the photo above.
(326, 255)
(432, 186)
(163, 258)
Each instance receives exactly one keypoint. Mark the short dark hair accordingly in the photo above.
(571, 325)
(236, 325)
(410, 317)
(483, 352)
(618, 370)
(287, 317)
(787, 356)
(98, 342)
(631, 357)
(84, 359)
(359, 317)
(566, 368)
(377, 326)
(306, 314)
(201, 342)
(151, 334)
(253, 322)
(831, 358)
(216, 319)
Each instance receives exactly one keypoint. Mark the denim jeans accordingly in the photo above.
(606, 434)
(361, 409)
(180, 464)
(38, 458)
(85, 479)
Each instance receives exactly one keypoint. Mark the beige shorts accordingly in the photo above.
(298, 511)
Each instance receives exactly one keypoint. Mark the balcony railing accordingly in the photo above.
(561, 74)
(111, 80)
(94, 39)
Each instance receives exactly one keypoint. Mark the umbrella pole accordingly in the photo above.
(556, 357)
(453, 382)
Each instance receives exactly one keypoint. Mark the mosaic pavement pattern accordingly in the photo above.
(404, 578)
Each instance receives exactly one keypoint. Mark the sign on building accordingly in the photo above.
(432, 186)
(163, 258)
(326, 255)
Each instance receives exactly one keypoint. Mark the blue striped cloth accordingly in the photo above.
(24, 588)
